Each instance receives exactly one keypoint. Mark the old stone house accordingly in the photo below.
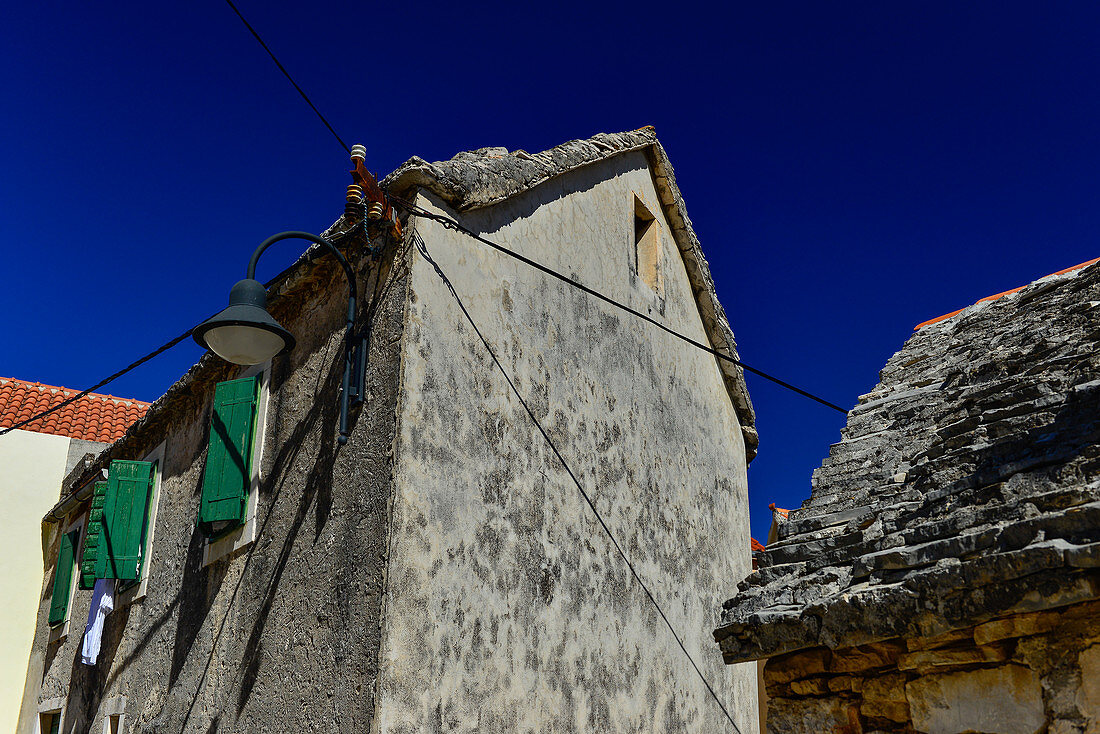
(439, 572)
(942, 577)
(34, 458)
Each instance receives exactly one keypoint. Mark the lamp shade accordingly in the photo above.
(244, 332)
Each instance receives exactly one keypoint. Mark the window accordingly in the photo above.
(112, 724)
(49, 722)
(114, 715)
(228, 474)
(125, 518)
(647, 245)
(64, 574)
(63, 580)
(120, 524)
(133, 589)
(230, 483)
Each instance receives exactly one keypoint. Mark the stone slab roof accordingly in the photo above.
(484, 177)
(966, 486)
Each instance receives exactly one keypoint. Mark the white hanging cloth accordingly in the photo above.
(103, 601)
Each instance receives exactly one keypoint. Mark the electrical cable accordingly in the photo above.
(423, 249)
(101, 383)
(132, 366)
(287, 75)
(458, 227)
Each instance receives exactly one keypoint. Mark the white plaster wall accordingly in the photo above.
(32, 466)
(506, 607)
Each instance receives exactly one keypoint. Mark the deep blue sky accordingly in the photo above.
(851, 169)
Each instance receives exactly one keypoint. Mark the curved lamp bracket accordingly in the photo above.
(354, 358)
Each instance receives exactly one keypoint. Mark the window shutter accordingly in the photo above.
(118, 554)
(91, 537)
(228, 472)
(63, 578)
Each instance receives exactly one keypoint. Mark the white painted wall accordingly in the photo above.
(506, 608)
(32, 466)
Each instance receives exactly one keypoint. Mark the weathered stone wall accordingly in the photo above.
(283, 635)
(943, 575)
(507, 609)
(966, 486)
(1022, 674)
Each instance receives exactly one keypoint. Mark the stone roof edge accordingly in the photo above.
(929, 604)
(575, 154)
(796, 608)
(419, 173)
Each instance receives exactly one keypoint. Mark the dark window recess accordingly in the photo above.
(647, 246)
(50, 723)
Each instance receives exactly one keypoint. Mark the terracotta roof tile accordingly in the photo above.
(778, 511)
(995, 296)
(93, 417)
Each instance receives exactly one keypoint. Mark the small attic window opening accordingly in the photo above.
(647, 245)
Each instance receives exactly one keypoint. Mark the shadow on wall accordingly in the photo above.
(200, 585)
(484, 221)
(318, 486)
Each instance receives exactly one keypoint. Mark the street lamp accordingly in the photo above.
(245, 333)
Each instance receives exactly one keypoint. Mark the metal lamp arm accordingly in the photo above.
(311, 238)
(353, 293)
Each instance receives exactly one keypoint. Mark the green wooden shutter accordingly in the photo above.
(63, 577)
(229, 461)
(92, 536)
(121, 538)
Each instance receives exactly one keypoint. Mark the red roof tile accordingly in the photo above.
(995, 296)
(93, 417)
(756, 545)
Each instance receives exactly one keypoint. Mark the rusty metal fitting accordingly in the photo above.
(360, 152)
(374, 213)
(355, 192)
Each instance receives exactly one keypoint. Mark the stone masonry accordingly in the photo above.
(943, 575)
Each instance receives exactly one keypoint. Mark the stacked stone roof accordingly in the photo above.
(966, 486)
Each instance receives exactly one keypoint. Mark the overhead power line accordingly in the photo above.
(419, 241)
(451, 223)
(458, 227)
(101, 383)
(104, 382)
(181, 337)
(288, 76)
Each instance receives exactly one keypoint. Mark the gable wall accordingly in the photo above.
(507, 608)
